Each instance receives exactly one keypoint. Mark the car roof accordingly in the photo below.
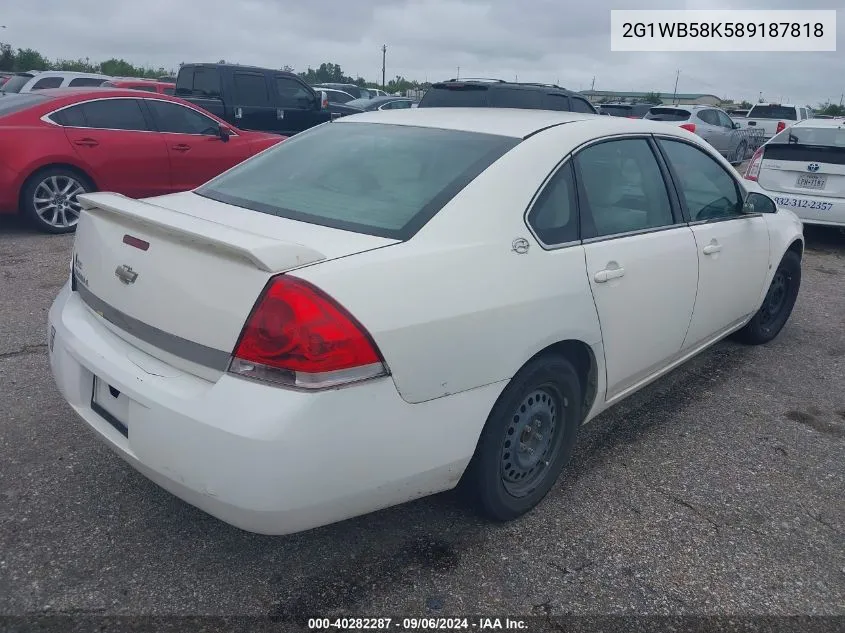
(512, 122)
(821, 123)
(68, 73)
(101, 93)
(501, 83)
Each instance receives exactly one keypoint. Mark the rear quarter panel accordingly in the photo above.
(455, 308)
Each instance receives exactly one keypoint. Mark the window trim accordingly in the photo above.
(678, 218)
(742, 194)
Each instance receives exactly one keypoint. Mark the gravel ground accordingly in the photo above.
(719, 490)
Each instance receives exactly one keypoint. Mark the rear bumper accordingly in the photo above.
(264, 459)
(812, 209)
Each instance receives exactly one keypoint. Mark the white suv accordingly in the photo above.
(39, 80)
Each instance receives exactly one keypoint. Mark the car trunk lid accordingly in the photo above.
(180, 285)
(804, 170)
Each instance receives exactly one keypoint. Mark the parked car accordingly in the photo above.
(802, 169)
(59, 143)
(496, 93)
(356, 91)
(381, 103)
(629, 110)
(147, 85)
(43, 80)
(347, 299)
(737, 114)
(773, 118)
(376, 92)
(711, 124)
(252, 98)
(336, 96)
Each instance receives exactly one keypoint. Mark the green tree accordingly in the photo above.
(745, 105)
(29, 59)
(7, 57)
(653, 98)
(830, 109)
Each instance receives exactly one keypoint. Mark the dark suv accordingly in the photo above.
(496, 93)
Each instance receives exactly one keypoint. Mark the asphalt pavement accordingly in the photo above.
(719, 490)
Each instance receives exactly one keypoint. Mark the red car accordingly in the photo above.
(147, 85)
(56, 144)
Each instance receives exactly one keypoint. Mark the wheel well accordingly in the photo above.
(797, 247)
(582, 357)
(72, 168)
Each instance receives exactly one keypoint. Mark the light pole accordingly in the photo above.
(383, 59)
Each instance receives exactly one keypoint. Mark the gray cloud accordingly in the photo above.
(536, 40)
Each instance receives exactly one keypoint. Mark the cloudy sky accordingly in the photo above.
(535, 40)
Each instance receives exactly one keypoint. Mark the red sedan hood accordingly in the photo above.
(259, 141)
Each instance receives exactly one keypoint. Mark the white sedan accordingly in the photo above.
(444, 297)
(803, 169)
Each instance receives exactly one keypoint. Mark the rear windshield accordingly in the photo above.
(12, 103)
(817, 136)
(465, 96)
(668, 114)
(773, 112)
(15, 83)
(384, 180)
(617, 110)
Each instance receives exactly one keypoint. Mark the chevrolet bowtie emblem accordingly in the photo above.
(126, 274)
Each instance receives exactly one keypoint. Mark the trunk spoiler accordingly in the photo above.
(265, 253)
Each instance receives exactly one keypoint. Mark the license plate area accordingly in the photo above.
(111, 405)
(811, 181)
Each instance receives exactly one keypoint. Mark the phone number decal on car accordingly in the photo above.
(803, 204)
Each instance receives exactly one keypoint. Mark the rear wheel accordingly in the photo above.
(49, 199)
(741, 151)
(527, 440)
(778, 304)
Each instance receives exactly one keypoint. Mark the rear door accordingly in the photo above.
(296, 106)
(117, 142)
(196, 151)
(252, 101)
(733, 247)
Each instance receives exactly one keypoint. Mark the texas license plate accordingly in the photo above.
(811, 181)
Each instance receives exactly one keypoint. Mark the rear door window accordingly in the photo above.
(251, 89)
(668, 114)
(554, 216)
(709, 116)
(74, 116)
(115, 114)
(81, 82)
(557, 102)
(384, 180)
(292, 94)
(47, 82)
(178, 119)
(206, 82)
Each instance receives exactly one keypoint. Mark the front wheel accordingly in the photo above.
(778, 304)
(49, 199)
(527, 440)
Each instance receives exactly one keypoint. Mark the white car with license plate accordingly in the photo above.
(803, 170)
(445, 297)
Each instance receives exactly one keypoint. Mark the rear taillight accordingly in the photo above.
(298, 336)
(753, 170)
(781, 127)
(688, 126)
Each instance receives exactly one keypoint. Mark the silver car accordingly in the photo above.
(711, 124)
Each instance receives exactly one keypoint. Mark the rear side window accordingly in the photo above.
(554, 217)
(47, 82)
(385, 180)
(709, 116)
(515, 98)
(70, 117)
(115, 114)
(15, 103)
(773, 112)
(81, 82)
(623, 187)
(668, 114)
(464, 96)
(251, 89)
(581, 105)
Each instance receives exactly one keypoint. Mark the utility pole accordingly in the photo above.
(841, 99)
(383, 59)
(458, 76)
(593, 85)
(675, 94)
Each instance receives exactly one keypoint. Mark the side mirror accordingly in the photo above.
(736, 125)
(225, 132)
(759, 203)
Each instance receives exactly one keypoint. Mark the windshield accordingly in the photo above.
(383, 180)
(773, 112)
(667, 114)
(9, 104)
(15, 83)
(818, 136)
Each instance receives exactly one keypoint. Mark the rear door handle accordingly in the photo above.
(710, 249)
(607, 274)
(87, 142)
(181, 147)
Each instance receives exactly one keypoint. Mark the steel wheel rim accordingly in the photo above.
(775, 299)
(532, 440)
(55, 201)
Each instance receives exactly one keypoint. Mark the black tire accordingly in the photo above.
(503, 484)
(61, 185)
(777, 305)
(741, 151)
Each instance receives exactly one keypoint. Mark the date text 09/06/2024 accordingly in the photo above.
(417, 624)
